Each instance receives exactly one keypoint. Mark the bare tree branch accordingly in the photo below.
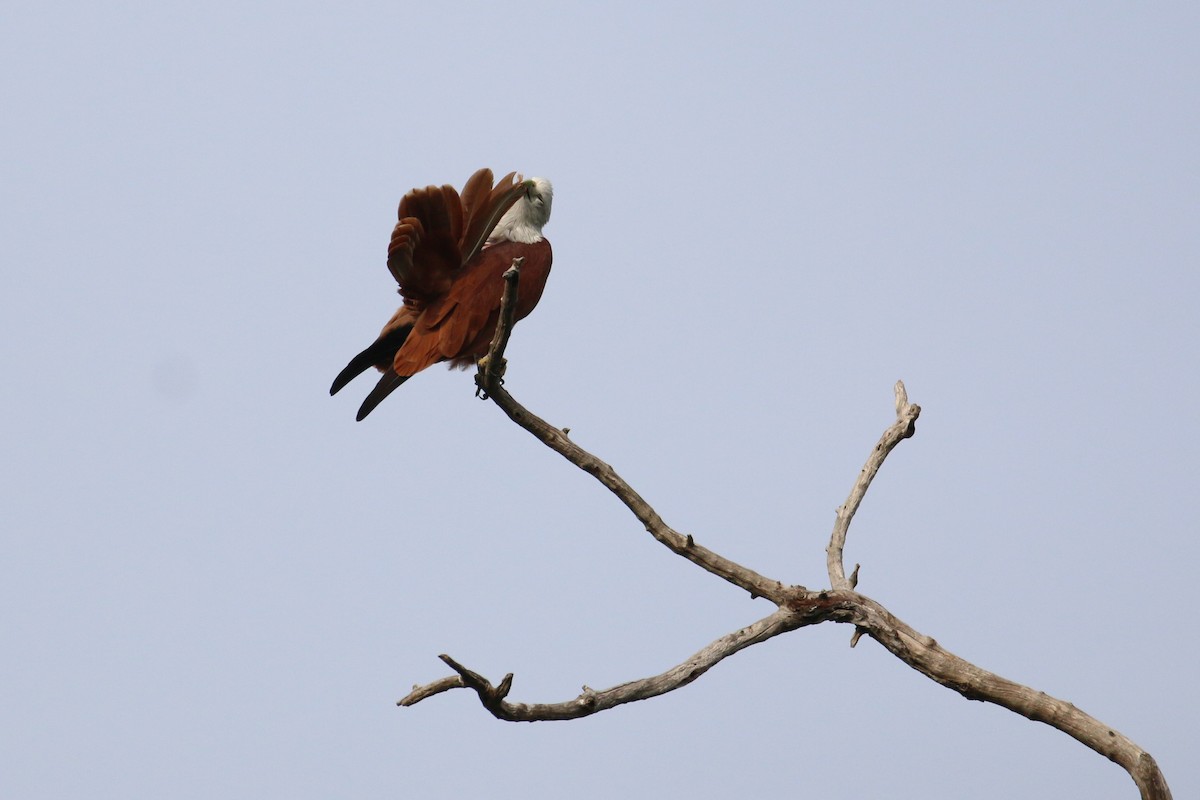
(904, 427)
(926, 656)
(591, 701)
(555, 439)
(419, 693)
(491, 366)
(797, 606)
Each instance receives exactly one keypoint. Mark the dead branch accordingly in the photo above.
(556, 439)
(797, 606)
(491, 366)
(926, 656)
(591, 701)
(904, 427)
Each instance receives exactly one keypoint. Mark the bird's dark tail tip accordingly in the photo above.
(389, 383)
(345, 376)
(380, 353)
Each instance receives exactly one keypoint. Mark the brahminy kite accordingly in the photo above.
(449, 254)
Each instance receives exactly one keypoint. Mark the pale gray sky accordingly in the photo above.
(215, 584)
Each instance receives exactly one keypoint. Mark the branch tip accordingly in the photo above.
(514, 270)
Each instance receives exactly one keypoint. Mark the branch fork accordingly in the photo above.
(796, 606)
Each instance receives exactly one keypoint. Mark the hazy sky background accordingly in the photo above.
(215, 584)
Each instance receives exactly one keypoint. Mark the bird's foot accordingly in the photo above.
(486, 369)
(485, 364)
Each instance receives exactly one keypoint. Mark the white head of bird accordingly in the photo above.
(524, 221)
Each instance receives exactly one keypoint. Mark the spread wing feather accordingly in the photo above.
(475, 193)
(439, 231)
(405, 237)
(423, 255)
(484, 208)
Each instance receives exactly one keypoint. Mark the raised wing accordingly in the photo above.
(424, 254)
(439, 232)
(484, 205)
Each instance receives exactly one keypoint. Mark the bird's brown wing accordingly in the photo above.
(439, 232)
(449, 323)
(423, 254)
(459, 326)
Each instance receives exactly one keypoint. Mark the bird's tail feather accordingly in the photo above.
(379, 354)
(387, 384)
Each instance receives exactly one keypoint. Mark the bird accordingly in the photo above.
(448, 254)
